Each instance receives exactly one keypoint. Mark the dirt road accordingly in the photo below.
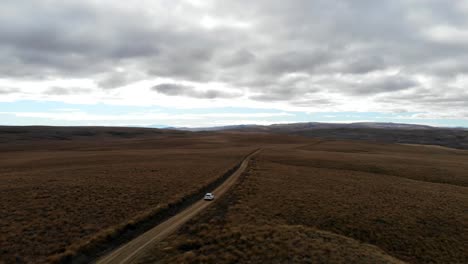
(131, 251)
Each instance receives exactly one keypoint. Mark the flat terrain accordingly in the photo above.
(57, 194)
(300, 200)
(131, 251)
(334, 202)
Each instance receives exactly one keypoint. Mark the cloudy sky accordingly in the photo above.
(207, 63)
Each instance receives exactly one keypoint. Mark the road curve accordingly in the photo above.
(131, 251)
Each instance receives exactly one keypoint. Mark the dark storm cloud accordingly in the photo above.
(116, 43)
(189, 91)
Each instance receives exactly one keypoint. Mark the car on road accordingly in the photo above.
(208, 197)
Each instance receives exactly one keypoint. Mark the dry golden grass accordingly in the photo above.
(439, 165)
(269, 244)
(338, 198)
(56, 197)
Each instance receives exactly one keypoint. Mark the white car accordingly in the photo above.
(208, 197)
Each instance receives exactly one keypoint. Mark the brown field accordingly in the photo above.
(59, 194)
(334, 202)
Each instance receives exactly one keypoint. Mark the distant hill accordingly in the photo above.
(379, 132)
(21, 133)
(222, 128)
(309, 126)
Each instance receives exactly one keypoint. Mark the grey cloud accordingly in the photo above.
(281, 94)
(424, 98)
(363, 65)
(172, 89)
(385, 85)
(189, 91)
(88, 39)
(294, 61)
(118, 79)
(5, 90)
(285, 96)
(286, 89)
(65, 91)
(312, 102)
(321, 39)
(238, 58)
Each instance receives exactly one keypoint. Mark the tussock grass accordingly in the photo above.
(85, 251)
(272, 244)
(297, 206)
(62, 201)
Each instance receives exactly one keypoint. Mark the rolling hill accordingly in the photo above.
(376, 132)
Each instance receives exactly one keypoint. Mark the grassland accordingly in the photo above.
(375, 132)
(58, 194)
(334, 202)
(302, 200)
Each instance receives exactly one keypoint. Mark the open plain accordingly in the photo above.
(300, 200)
(59, 194)
(335, 202)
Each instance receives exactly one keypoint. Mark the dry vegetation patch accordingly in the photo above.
(339, 205)
(268, 244)
(56, 198)
(447, 166)
(300, 201)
